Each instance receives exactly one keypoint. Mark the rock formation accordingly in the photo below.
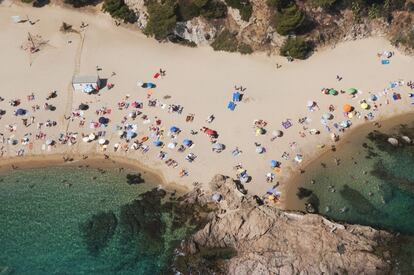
(267, 240)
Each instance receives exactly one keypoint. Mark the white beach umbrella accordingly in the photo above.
(310, 103)
(102, 141)
(85, 139)
(277, 133)
(49, 142)
(92, 136)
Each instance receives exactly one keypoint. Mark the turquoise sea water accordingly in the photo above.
(81, 221)
(373, 184)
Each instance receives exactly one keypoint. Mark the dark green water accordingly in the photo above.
(373, 185)
(94, 226)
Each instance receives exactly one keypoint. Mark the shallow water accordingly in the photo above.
(49, 227)
(373, 185)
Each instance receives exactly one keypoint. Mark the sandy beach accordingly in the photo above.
(198, 80)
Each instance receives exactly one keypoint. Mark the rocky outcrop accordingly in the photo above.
(270, 241)
(197, 30)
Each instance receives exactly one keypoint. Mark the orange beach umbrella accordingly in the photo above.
(347, 108)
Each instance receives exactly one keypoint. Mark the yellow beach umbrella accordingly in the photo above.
(364, 105)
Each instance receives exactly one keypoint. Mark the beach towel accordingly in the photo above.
(287, 124)
(157, 75)
(385, 62)
(231, 106)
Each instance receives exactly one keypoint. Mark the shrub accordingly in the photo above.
(118, 9)
(225, 41)
(210, 9)
(80, 3)
(243, 48)
(289, 19)
(296, 48)
(162, 19)
(325, 4)
(244, 7)
(214, 10)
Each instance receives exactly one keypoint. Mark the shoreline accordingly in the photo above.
(93, 161)
(270, 95)
(293, 184)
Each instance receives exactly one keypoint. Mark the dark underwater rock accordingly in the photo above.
(134, 178)
(303, 193)
(98, 231)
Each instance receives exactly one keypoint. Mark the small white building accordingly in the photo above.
(86, 83)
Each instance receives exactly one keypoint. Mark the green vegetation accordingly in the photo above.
(162, 19)
(79, 3)
(325, 4)
(118, 9)
(244, 7)
(244, 48)
(406, 40)
(227, 41)
(296, 48)
(210, 9)
(289, 19)
(27, 1)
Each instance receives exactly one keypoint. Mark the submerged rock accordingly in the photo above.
(98, 231)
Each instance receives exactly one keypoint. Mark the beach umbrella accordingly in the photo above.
(373, 97)
(333, 92)
(298, 158)
(130, 134)
(218, 146)
(259, 131)
(187, 142)
(364, 105)
(139, 83)
(20, 112)
(352, 91)
(174, 129)
(211, 132)
(260, 149)
(347, 108)
(49, 142)
(327, 116)
(102, 141)
(92, 136)
(172, 145)
(103, 120)
(157, 143)
(277, 133)
(83, 107)
(85, 139)
(274, 163)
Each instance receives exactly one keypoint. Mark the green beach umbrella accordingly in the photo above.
(333, 92)
(352, 91)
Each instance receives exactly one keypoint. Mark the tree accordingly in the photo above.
(162, 19)
(296, 48)
(244, 7)
(118, 9)
(81, 3)
(325, 4)
(289, 19)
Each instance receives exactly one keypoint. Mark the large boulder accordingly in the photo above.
(270, 241)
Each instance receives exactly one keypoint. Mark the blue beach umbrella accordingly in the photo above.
(20, 112)
(274, 163)
(187, 142)
(157, 143)
(174, 129)
(131, 134)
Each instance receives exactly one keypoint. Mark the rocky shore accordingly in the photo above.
(244, 236)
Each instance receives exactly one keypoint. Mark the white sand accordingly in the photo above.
(199, 79)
